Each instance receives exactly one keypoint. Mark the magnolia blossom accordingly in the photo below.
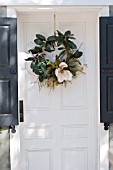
(62, 74)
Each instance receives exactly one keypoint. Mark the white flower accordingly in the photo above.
(62, 74)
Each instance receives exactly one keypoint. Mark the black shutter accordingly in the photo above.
(8, 72)
(106, 69)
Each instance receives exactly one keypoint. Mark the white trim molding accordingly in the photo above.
(56, 2)
(103, 135)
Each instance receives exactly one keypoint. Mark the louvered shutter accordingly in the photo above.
(106, 69)
(8, 72)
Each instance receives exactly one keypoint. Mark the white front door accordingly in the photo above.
(59, 129)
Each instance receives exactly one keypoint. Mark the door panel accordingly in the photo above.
(4, 32)
(58, 127)
(5, 97)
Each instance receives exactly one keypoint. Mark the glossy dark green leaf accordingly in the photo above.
(72, 45)
(72, 37)
(29, 59)
(52, 38)
(48, 48)
(53, 74)
(38, 41)
(39, 49)
(44, 76)
(36, 71)
(59, 40)
(43, 44)
(72, 70)
(43, 67)
(67, 33)
(41, 78)
(62, 53)
(59, 43)
(74, 64)
(59, 33)
(41, 37)
(60, 48)
(77, 54)
(32, 64)
(35, 50)
(65, 68)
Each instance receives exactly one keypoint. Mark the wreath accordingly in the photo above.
(64, 66)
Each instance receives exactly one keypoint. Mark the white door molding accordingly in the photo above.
(55, 2)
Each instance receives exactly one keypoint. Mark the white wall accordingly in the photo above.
(56, 2)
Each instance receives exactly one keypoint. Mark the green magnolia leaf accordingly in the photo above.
(59, 33)
(59, 41)
(36, 68)
(43, 44)
(67, 33)
(41, 78)
(72, 62)
(71, 44)
(62, 54)
(72, 38)
(77, 54)
(32, 64)
(38, 48)
(43, 67)
(60, 48)
(65, 68)
(52, 38)
(44, 76)
(40, 71)
(41, 37)
(78, 62)
(72, 65)
(53, 74)
(36, 71)
(35, 50)
(73, 71)
(60, 38)
(29, 59)
(48, 48)
(38, 41)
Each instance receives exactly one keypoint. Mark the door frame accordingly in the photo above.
(102, 136)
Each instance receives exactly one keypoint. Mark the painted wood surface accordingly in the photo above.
(8, 72)
(60, 127)
(106, 69)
